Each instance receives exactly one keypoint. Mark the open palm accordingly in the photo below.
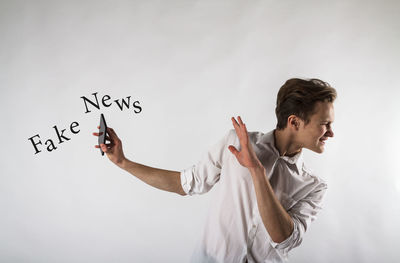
(246, 156)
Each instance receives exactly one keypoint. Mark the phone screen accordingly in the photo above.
(102, 131)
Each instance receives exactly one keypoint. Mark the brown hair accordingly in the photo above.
(298, 97)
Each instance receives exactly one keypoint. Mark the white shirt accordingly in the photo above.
(234, 231)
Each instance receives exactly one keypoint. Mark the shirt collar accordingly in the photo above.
(269, 138)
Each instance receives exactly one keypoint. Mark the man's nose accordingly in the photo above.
(330, 133)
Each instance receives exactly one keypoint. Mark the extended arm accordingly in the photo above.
(162, 179)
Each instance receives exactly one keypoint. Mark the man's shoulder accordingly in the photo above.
(319, 182)
(255, 137)
(252, 134)
(261, 139)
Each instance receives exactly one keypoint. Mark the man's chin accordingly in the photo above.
(320, 149)
(317, 149)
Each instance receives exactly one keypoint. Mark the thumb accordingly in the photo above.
(103, 147)
(233, 150)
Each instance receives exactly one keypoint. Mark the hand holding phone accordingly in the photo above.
(113, 148)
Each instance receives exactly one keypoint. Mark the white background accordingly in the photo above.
(192, 65)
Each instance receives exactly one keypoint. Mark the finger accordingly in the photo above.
(239, 127)
(235, 124)
(104, 147)
(111, 132)
(108, 145)
(244, 128)
(242, 124)
(233, 150)
(97, 133)
(98, 146)
(234, 121)
(240, 120)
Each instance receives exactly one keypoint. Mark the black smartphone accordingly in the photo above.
(102, 131)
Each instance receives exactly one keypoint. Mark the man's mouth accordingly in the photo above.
(322, 140)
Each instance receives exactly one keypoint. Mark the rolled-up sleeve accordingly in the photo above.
(302, 213)
(201, 177)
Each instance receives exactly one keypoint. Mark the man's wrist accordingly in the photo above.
(258, 170)
(123, 164)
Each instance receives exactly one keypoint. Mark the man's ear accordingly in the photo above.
(294, 122)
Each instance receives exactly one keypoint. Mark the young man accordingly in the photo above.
(267, 197)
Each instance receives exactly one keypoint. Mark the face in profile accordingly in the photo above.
(314, 135)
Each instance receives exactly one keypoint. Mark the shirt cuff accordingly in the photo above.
(185, 182)
(287, 242)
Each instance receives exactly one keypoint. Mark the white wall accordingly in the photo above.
(192, 65)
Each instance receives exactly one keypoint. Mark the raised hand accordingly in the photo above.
(246, 156)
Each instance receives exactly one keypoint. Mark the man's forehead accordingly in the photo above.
(324, 111)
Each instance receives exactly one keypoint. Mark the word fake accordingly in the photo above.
(49, 142)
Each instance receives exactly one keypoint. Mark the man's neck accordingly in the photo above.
(285, 143)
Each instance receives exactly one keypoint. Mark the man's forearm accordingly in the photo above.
(275, 218)
(162, 179)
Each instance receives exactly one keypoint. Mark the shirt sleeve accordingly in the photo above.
(200, 178)
(302, 213)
